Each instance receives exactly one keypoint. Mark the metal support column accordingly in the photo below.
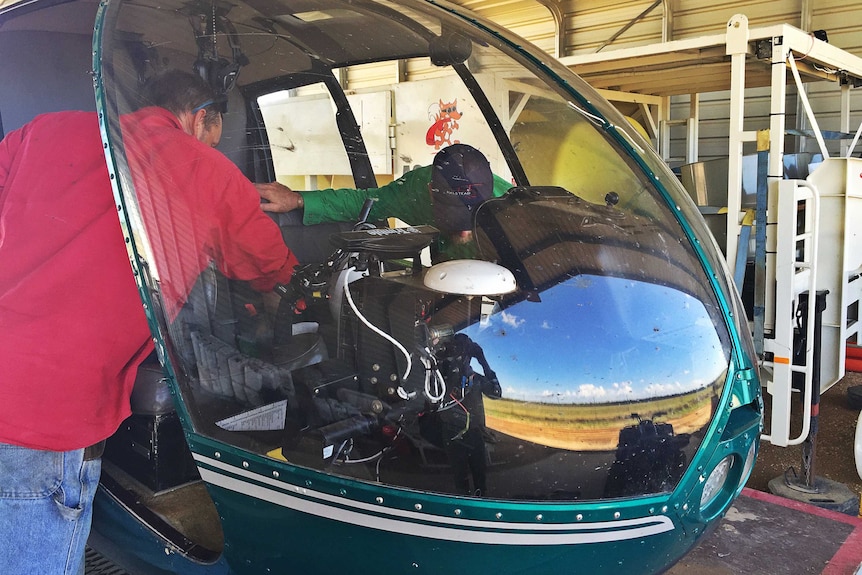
(737, 48)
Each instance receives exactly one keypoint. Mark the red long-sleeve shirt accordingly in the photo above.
(72, 328)
(198, 207)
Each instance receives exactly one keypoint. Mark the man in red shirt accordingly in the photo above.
(72, 327)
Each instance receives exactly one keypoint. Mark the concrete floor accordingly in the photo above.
(763, 534)
(767, 534)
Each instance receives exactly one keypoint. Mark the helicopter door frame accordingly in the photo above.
(348, 128)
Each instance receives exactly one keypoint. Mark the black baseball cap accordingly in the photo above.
(461, 180)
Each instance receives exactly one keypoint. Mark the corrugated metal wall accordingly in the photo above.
(529, 19)
(588, 24)
(842, 19)
(843, 23)
(592, 25)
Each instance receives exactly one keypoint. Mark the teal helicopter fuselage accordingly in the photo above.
(585, 400)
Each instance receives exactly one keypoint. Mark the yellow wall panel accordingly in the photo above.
(587, 24)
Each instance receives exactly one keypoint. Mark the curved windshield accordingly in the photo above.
(491, 298)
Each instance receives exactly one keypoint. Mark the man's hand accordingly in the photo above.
(280, 198)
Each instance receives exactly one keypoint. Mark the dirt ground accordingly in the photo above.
(833, 458)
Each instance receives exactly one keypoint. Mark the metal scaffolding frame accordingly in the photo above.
(738, 59)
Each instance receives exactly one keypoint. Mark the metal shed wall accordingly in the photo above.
(588, 26)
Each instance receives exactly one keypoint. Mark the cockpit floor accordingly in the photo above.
(187, 508)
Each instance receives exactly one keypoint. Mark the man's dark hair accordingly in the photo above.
(181, 92)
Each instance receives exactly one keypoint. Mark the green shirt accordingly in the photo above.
(408, 198)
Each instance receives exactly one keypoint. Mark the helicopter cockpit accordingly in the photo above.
(607, 309)
(583, 352)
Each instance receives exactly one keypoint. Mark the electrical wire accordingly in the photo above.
(365, 459)
(432, 373)
(810, 47)
(467, 411)
(374, 328)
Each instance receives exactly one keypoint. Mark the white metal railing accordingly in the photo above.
(803, 97)
(792, 277)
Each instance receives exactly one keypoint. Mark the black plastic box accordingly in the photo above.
(153, 450)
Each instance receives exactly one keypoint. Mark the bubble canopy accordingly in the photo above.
(599, 376)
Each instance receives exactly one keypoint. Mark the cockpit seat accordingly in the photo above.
(225, 371)
(149, 445)
(310, 244)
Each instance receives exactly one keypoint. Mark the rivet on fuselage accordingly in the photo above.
(664, 508)
(616, 514)
(457, 512)
(275, 474)
(217, 455)
(418, 507)
(379, 500)
(498, 515)
(245, 464)
(342, 491)
(579, 517)
(539, 517)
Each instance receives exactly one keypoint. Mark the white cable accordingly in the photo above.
(376, 329)
(365, 459)
(431, 372)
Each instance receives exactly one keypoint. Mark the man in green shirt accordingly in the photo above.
(444, 195)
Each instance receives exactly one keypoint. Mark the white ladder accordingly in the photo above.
(798, 206)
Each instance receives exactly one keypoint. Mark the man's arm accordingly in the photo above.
(406, 198)
(501, 186)
(249, 245)
(330, 205)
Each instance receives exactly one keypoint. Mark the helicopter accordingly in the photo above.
(406, 414)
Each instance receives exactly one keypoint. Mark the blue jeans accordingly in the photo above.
(46, 506)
